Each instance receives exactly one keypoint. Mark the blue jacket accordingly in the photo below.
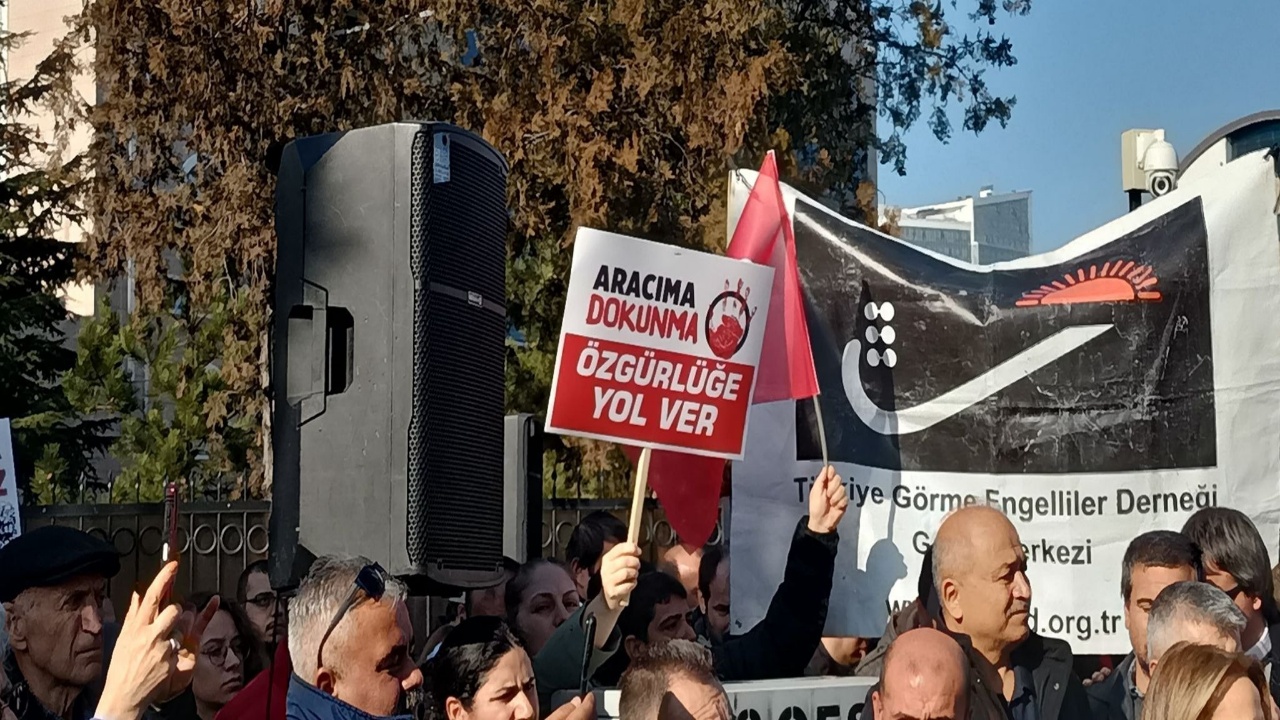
(307, 703)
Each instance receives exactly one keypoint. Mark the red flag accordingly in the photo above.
(764, 236)
(689, 485)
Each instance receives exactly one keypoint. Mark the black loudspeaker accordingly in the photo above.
(387, 365)
(523, 518)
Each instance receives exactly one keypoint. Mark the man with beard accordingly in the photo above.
(260, 603)
(52, 583)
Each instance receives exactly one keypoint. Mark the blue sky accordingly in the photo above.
(1088, 70)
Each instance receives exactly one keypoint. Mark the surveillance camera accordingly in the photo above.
(1160, 182)
(1160, 163)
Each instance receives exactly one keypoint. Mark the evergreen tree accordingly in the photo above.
(53, 446)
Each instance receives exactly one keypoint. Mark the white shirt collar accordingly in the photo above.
(1261, 649)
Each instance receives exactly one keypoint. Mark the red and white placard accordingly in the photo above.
(659, 345)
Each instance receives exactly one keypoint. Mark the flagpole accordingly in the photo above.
(637, 499)
(822, 431)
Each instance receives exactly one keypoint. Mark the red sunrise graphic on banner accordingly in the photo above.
(1119, 281)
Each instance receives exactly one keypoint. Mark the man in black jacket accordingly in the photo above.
(1152, 562)
(980, 572)
(779, 646)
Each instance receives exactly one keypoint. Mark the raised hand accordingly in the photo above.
(828, 501)
(619, 572)
(190, 629)
(150, 664)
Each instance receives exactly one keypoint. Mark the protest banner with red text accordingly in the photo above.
(659, 346)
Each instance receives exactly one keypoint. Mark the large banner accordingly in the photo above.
(1092, 393)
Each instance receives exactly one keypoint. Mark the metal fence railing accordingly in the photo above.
(560, 516)
(218, 539)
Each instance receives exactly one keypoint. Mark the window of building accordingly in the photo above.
(1253, 138)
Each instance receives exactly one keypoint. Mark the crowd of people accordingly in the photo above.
(1198, 606)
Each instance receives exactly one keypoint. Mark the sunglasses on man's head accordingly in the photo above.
(372, 581)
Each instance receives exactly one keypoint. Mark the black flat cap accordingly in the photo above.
(51, 555)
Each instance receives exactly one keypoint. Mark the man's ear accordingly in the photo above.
(581, 576)
(453, 709)
(1257, 603)
(15, 626)
(877, 704)
(634, 646)
(949, 596)
(326, 681)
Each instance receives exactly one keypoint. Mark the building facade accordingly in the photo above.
(981, 229)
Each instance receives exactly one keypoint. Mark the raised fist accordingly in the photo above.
(828, 501)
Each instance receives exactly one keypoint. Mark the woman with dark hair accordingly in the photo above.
(228, 657)
(481, 672)
(539, 599)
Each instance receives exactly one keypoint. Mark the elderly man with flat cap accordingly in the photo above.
(52, 581)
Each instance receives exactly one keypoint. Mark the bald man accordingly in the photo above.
(925, 677)
(980, 572)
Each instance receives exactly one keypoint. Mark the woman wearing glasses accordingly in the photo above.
(229, 654)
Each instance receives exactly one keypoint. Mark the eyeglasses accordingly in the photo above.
(372, 581)
(1234, 592)
(217, 655)
(262, 600)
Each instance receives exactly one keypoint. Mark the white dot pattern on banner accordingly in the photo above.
(888, 357)
(883, 311)
(886, 335)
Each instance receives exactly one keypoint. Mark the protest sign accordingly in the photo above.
(10, 520)
(1107, 388)
(659, 346)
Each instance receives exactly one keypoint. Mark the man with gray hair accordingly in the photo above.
(1193, 612)
(673, 681)
(349, 639)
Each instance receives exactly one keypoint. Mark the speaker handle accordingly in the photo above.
(308, 353)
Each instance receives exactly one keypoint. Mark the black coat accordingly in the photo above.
(783, 642)
(1109, 699)
(1273, 662)
(1059, 693)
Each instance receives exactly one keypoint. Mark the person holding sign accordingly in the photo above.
(779, 646)
(558, 666)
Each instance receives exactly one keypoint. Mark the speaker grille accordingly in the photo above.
(416, 467)
(458, 388)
